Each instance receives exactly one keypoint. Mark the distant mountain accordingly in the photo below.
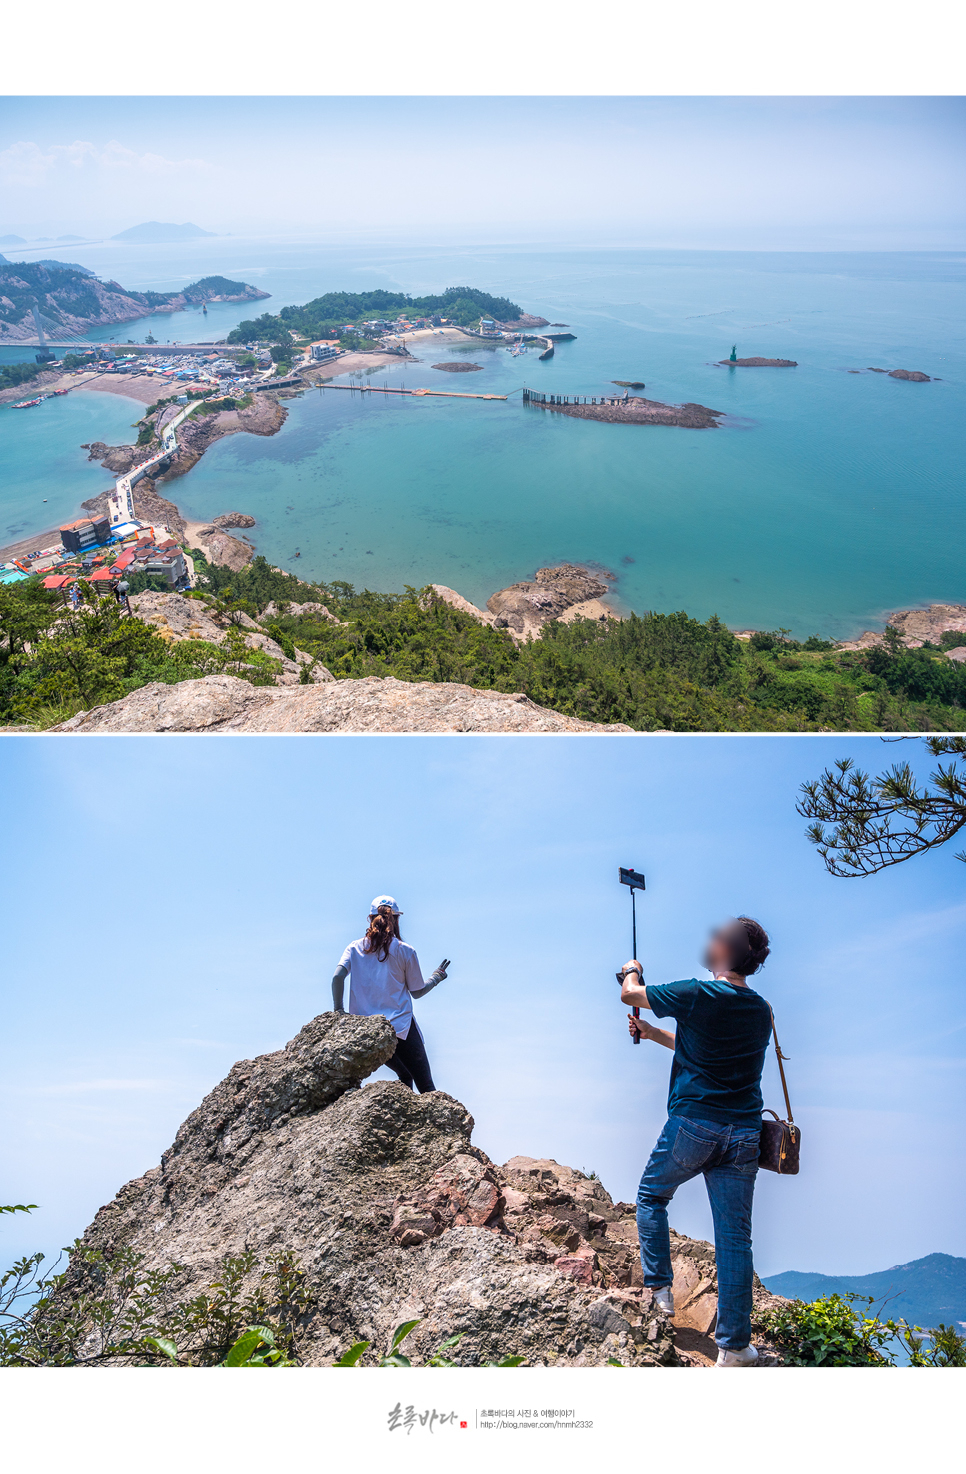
(156, 233)
(4, 261)
(12, 240)
(924, 1292)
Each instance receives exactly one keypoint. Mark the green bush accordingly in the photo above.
(106, 1310)
(832, 1332)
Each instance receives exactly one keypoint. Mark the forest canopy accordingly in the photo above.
(334, 310)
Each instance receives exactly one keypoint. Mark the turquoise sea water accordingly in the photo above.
(826, 499)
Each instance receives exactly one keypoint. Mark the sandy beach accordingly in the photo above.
(368, 363)
(145, 388)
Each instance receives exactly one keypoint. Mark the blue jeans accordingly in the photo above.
(728, 1158)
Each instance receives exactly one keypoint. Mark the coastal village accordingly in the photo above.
(135, 548)
(100, 549)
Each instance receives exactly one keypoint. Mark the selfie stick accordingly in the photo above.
(635, 880)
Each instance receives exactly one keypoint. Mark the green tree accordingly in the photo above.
(862, 825)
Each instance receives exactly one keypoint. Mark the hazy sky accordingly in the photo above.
(774, 173)
(174, 905)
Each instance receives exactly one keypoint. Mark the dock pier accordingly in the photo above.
(535, 396)
(414, 393)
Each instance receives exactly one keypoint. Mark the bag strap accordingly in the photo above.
(781, 1070)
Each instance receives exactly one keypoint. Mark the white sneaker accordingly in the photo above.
(744, 1358)
(664, 1299)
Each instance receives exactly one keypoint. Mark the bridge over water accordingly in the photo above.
(122, 500)
(142, 350)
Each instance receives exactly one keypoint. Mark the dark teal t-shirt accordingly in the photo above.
(719, 1053)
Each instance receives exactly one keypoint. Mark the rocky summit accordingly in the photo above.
(395, 1215)
(227, 704)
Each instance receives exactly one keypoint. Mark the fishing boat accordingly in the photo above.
(29, 403)
(55, 393)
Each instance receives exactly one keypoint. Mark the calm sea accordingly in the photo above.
(827, 499)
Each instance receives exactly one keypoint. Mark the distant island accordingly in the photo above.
(71, 299)
(158, 233)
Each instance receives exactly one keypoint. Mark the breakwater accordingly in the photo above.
(626, 409)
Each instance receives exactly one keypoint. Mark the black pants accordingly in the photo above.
(410, 1062)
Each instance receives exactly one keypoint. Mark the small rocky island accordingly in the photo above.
(911, 376)
(629, 383)
(455, 367)
(757, 363)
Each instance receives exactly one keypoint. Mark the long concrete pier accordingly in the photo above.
(415, 393)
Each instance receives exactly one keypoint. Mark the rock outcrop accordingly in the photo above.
(219, 547)
(555, 593)
(915, 626)
(178, 618)
(290, 609)
(226, 704)
(233, 519)
(395, 1215)
(636, 410)
(912, 376)
(119, 458)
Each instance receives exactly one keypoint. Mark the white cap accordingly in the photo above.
(382, 901)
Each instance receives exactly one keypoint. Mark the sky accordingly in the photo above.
(174, 905)
(769, 173)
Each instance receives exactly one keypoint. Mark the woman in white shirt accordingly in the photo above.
(385, 977)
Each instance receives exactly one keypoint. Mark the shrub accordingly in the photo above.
(106, 1310)
(831, 1332)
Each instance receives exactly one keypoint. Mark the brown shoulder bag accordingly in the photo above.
(780, 1140)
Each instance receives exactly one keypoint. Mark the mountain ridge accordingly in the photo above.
(924, 1291)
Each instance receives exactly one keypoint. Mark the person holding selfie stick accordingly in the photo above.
(714, 1122)
(384, 977)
